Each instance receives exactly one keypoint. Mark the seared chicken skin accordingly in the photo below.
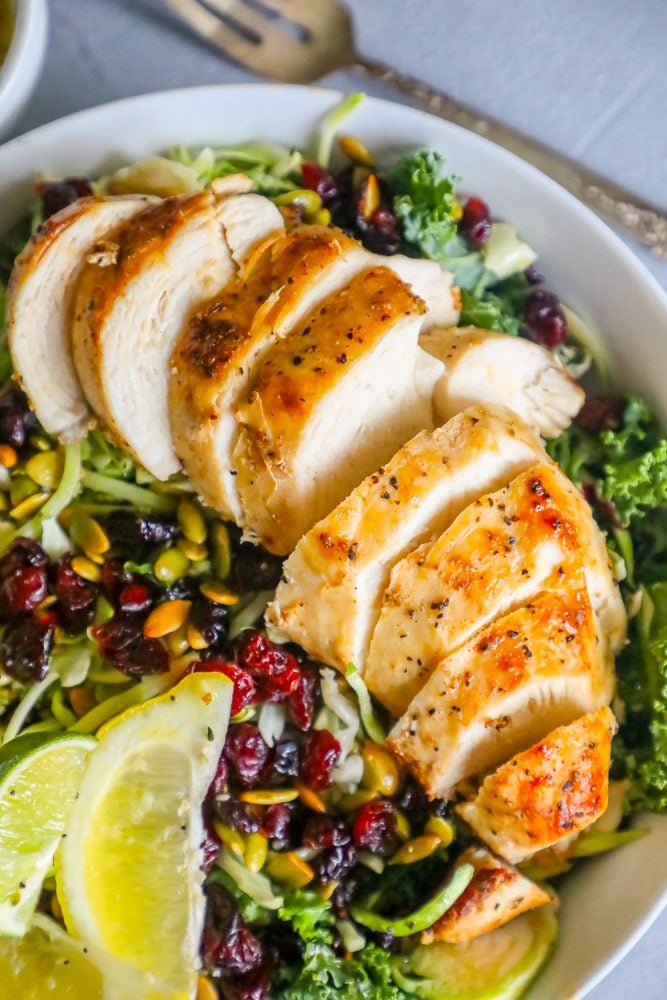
(498, 893)
(331, 594)
(224, 343)
(536, 668)
(332, 401)
(547, 793)
(486, 367)
(40, 307)
(131, 305)
(495, 556)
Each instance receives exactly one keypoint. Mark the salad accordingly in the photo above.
(133, 628)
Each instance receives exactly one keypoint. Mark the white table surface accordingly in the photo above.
(587, 76)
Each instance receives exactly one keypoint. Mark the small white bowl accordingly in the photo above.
(23, 63)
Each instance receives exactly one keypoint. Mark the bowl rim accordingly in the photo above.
(148, 102)
(22, 64)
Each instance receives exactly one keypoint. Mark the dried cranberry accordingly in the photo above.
(240, 953)
(602, 413)
(212, 621)
(544, 320)
(56, 195)
(414, 803)
(240, 816)
(321, 832)
(302, 699)
(256, 569)
(279, 821)
(123, 644)
(285, 759)
(136, 534)
(210, 848)
(244, 689)
(375, 826)
(386, 941)
(17, 420)
(27, 645)
(475, 224)
(114, 578)
(23, 583)
(185, 589)
(276, 672)
(347, 888)
(221, 779)
(221, 906)
(255, 986)
(135, 597)
(335, 863)
(76, 596)
(533, 276)
(316, 178)
(604, 508)
(319, 756)
(380, 233)
(247, 753)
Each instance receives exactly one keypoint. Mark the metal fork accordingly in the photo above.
(299, 41)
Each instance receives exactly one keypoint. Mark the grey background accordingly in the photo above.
(587, 76)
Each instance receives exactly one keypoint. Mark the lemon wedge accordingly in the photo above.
(46, 962)
(39, 779)
(128, 871)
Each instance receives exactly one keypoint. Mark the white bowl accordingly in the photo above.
(610, 901)
(23, 63)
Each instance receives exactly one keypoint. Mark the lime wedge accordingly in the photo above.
(39, 780)
(128, 873)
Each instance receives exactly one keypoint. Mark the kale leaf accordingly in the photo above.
(323, 974)
(425, 202)
(326, 976)
(623, 471)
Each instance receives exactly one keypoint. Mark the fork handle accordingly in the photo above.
(646, 223)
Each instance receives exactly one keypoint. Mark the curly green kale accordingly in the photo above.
(324, 975)
(425, 202)
(641, 749)
(623, 471)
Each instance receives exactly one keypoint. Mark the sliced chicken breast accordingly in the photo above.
(223, 344)
(40, 308)
(247, 218)
(333, 400)
(498, 893)
(532, 670)
(130, 307)
(330, 597)
(432, 284)
(494, 557)
(486, 367)
(547, 793)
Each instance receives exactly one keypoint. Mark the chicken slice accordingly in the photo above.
(40, 308)
(333, 400)
(495, 556)
(247, 219)
(129, 310)
(498, 893)
(432, 284)
(224, 342)
(536, 668)
(331, 594)
(545, 794)
(486, 367)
